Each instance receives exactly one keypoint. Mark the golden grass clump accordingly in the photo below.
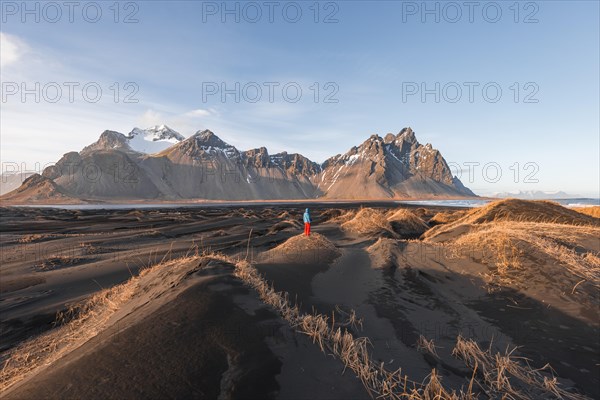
(302, 249)
(445, 217)
(34, 237)
(344, 216)
(383, 252)
(527, 211)
(426, 345)
(495, 247)
(407, 222)
(368, 221)
(594, 211)
(58, 262)
(334, 338)
(83, 321)
(509, 376)
(504, 245)
(516, 212)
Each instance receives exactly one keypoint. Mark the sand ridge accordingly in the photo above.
(415, 299)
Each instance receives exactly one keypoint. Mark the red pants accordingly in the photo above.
(307, 229)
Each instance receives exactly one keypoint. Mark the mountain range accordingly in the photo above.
(534, 195)
(160, 164)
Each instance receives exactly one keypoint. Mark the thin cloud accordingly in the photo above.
(11, 49)
(200, 112)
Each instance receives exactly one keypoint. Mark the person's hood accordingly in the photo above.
(306, 210)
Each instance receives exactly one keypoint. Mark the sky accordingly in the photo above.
(507, 91)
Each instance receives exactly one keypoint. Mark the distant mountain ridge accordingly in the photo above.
(158, 163)
(534, 195)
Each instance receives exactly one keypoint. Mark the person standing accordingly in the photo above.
(307, 222)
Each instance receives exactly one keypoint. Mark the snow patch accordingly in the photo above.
(153, 140)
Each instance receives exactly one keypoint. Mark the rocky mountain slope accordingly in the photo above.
(10, 180)
(159, 163)
(393, 166)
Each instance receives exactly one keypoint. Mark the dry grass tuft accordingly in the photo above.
(383, 253)
(343, 216)
(58, 261)
(426, 345)
(315, 248)
(515, 211)
(368, 221)
(593, 211)
(83, 321)
(508, 376)
(334, 338)
(406, 222)
(445, 217)
(503, 246)
(34, 237)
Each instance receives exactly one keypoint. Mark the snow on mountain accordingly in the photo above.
(162, 164)
(154, 139)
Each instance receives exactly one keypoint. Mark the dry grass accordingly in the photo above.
(343, 217)
(406, 222)
(508, 376)
(333, 334)
(509, 237)
(34, 237)
(527, 211)
(334, 338)
(593, 211)
(368, 221)
(87, 320)
(383, 253)
(445, 217)
(504, 245)
(83, 321)
(58, 261)
(515, 211)
(427, 345)
(315, 248)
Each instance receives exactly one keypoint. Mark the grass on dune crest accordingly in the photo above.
(593, 211)
(509, 247)
(515, 235)
(334, 337)
(334, 334)
(303, 249)
(368, 221)
(302, 242)
(514, 211)
(527, 211)
(83, 321)
(396, 222)
(445, 217)
(405, 221)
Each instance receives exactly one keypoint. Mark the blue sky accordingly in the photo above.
(375, 58)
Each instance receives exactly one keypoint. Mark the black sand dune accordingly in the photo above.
(194, 330)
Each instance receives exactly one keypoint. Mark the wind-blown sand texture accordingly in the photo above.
(231, 302)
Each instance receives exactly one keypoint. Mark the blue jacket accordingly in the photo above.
(307, 217)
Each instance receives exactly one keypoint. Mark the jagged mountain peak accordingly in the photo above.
(295, 163)
(204, 166)
(201, 145)
(389, 138)
(109, 140)
(407, 134)
(207, 138)
(395, 165)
